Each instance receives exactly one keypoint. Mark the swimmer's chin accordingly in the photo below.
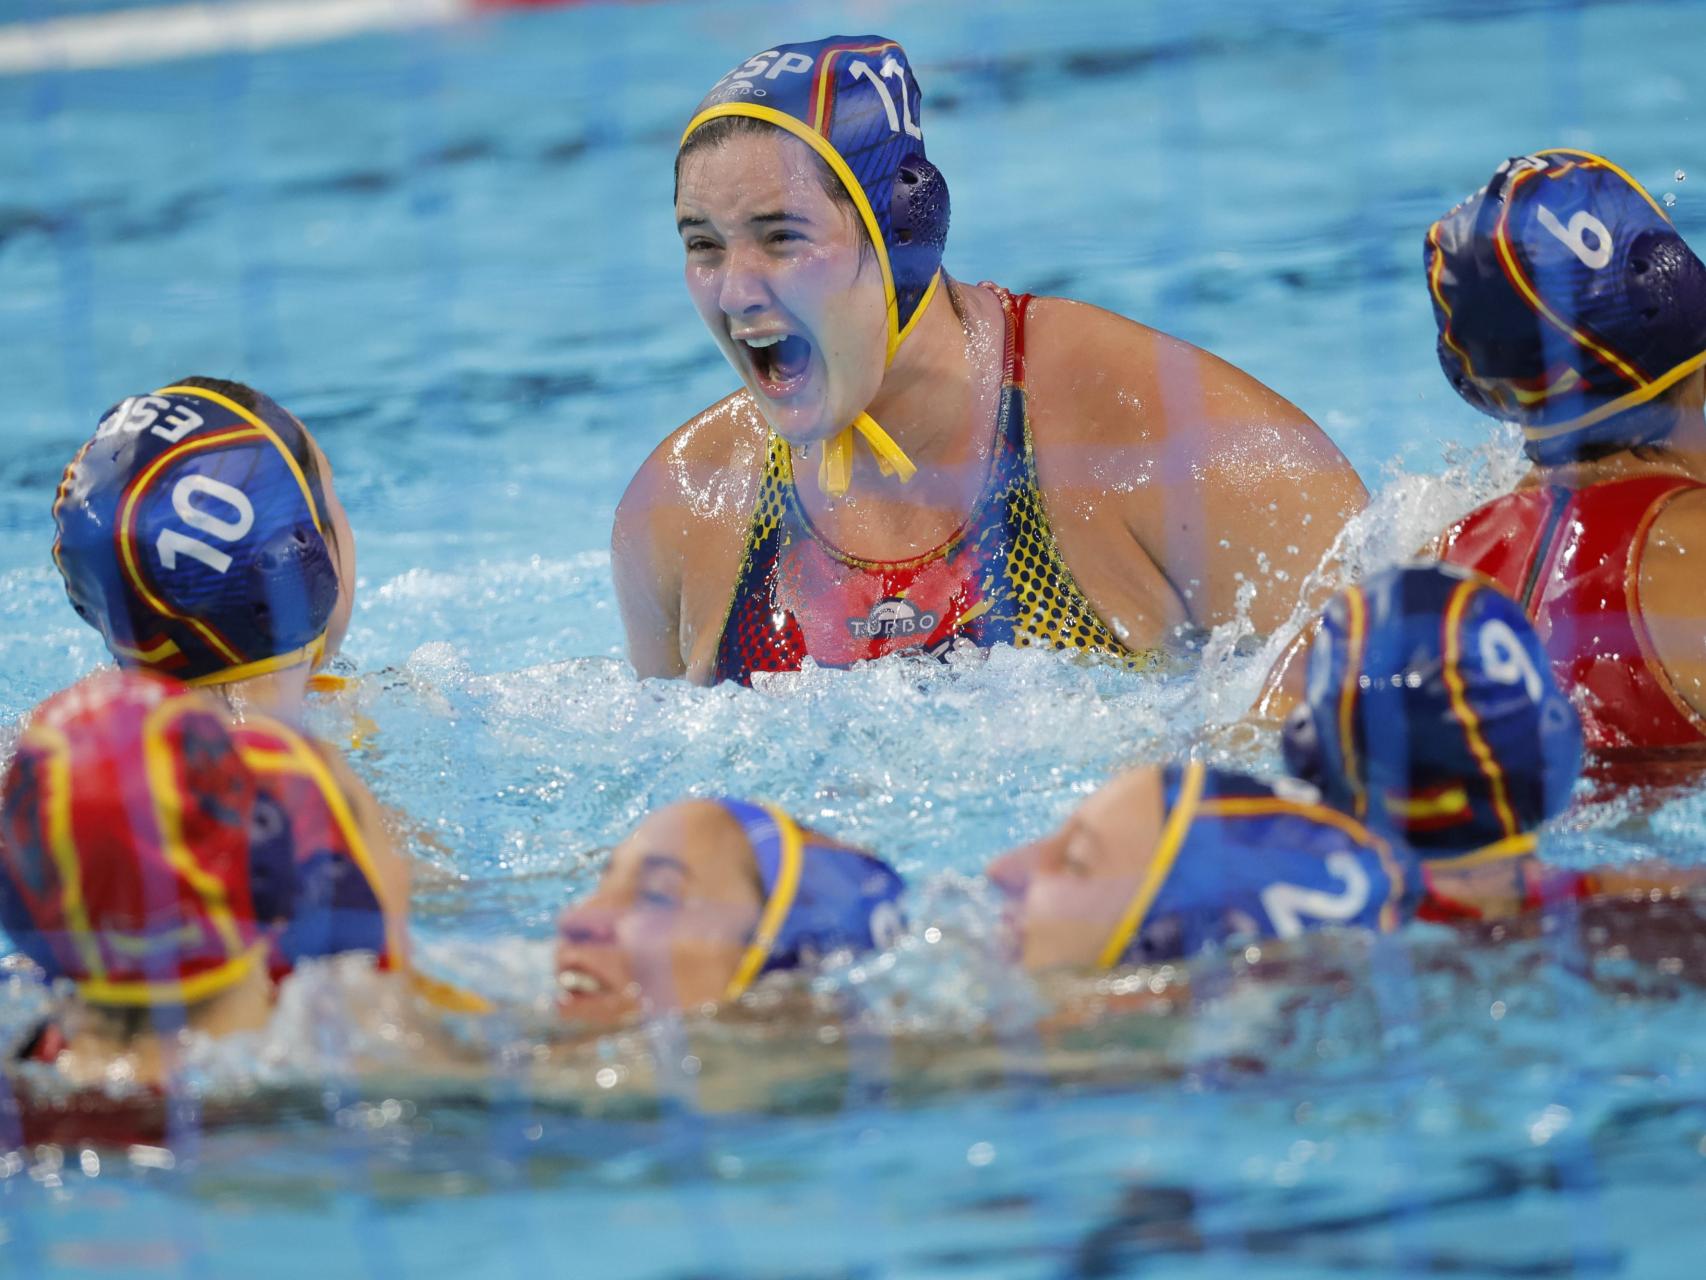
(797, 425)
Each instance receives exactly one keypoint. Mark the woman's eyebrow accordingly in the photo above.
(780, 215)
(664, 862)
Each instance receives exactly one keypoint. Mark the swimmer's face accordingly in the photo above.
(1068, 891)
(668, 923)
(341, 541)
(780, 274)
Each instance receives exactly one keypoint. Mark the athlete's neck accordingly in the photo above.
(930, 397)
(1680, 450)
(278, 695)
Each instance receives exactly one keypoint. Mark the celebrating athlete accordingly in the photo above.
(978, 467)
(1431, 743)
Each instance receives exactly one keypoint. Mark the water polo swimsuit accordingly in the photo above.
(1573, 560)
(1238, 859)
(1540, 886)
(999, 579)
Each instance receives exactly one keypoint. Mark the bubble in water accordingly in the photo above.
(1670, 199)
(1681, 176)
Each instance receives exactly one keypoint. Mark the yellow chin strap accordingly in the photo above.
(835, 468)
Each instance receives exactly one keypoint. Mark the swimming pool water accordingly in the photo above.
(450, 251)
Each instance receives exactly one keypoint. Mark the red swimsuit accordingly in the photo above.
(1573, 559)
(1000, 579)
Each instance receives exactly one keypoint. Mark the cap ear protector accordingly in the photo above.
(1566, 301)
(192, 534)
(919, 213)
(1432, 713)
(1301, 747)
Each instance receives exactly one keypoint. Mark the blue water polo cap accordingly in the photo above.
(1431, 713)
(855, 102)
(192, 534)
(818, 898)
(1564, 297)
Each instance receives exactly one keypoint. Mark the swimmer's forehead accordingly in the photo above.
(699, 843)
(752, 175)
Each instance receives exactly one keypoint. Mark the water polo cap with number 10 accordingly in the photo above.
(192, 534)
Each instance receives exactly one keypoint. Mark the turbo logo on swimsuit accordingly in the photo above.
(892, 617)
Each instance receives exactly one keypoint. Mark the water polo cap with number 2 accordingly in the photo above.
(192, 534)
(1564, 297)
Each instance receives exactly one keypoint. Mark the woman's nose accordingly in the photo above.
(587, 922)
(1011, 872)
(743, 290)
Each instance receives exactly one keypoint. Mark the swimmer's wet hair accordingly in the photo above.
(714, 133)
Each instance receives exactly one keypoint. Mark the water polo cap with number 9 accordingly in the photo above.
(1431, 713)
(192, 534)
(1564, 297)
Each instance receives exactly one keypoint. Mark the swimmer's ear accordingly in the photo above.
(1300, 741)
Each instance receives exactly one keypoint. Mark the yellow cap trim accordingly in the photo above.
(1358, 611)
(1517, 846)
(1657, 387)
(176, 990)
(62, 841)
(446, 995)
(1454, 683)
(1448, 803)
(777, 908)
(167, 796)
(259, 424)
(835, 468)
(148, 657)
(1161, 864)
(300, 756)
(309, 652)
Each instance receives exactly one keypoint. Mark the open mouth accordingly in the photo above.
(780, 362)
(578, 982)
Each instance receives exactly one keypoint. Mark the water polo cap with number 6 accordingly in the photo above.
(1564, 297)
(192, 534)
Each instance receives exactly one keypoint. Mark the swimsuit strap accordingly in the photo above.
(1016, 307)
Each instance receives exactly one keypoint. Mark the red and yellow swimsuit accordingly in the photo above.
(999, 579)
(1573, 560)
